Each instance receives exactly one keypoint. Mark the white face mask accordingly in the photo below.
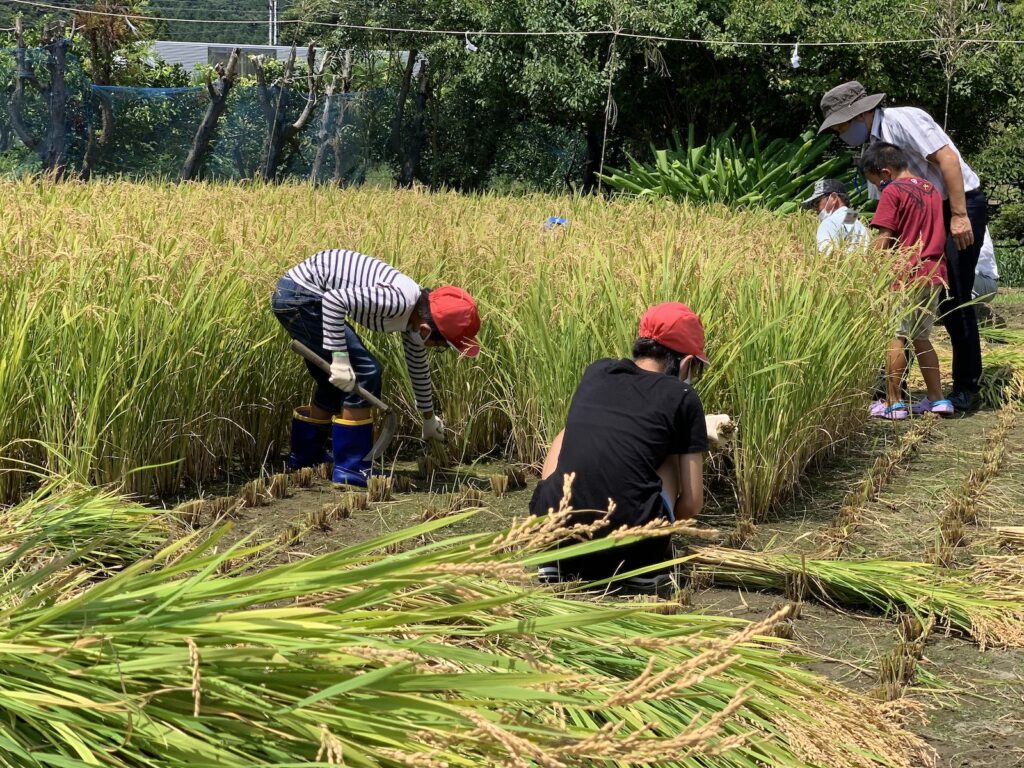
(823, 214)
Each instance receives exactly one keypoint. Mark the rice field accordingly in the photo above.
(168, 598)
(140, 350)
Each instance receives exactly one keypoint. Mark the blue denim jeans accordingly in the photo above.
(301, 314)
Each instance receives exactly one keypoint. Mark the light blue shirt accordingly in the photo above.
(842, 230)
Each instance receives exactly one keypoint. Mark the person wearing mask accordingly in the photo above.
(634, 441)
(318, 301)
(859, 118)
(840, 229)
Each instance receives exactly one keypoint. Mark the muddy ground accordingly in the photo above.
(975, 699)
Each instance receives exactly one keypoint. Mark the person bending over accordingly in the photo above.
(634, 438)
(317, 301)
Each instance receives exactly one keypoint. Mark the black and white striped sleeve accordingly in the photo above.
(369, 306)
(419, 371)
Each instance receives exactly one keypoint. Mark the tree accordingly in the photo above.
(218, 92)
(276, 99)
(50, 145)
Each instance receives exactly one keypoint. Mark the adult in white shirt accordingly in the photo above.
(840, 229)
(986, 276)
(858, 118)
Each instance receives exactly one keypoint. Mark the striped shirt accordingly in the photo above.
(360, 288)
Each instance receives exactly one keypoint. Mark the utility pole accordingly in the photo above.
(272, 22)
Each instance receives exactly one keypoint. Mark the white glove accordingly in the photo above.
(433, 429)
(342, 375)
(720, 428)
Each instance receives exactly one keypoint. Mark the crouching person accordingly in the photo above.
(317, 301)
(634, 439)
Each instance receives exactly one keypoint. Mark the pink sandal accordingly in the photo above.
(895, 412)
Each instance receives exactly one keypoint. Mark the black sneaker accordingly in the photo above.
(964, 402)
(654, 583)
(548, 574)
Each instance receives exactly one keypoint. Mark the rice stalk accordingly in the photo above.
(499, 484)
(187, 376)
(304, 478)
(254, 494)
(990, 612)
(961, 507)
(277, 488)
(379, 488)
(835, 539)
(443, 652)
(191, 512)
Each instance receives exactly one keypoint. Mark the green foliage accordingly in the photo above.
(221, 10)
(736, 173)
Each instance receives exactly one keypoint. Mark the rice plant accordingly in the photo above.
(443, 653)
(138, 339)
(981, 602)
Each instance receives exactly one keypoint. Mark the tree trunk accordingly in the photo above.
(595, 132)
(323, 140)
(412, 157)
(218, 103)
(275, 109)
(52, 148)
(23, 74)
(56, 157)
(403, 96)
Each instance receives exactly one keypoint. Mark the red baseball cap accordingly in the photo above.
(454, 313)
(675, 326)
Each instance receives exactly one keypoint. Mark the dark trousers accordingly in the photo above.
(962, 321)
(301, 314)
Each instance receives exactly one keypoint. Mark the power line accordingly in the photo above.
(528, 33)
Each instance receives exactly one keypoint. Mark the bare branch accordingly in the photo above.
(307, 111)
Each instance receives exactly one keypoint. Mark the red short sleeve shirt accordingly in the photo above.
(912, 208)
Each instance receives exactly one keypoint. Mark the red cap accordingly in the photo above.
(675, 326)
(454, 313)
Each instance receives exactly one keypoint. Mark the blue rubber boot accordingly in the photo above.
(309, 440)
(351, 441)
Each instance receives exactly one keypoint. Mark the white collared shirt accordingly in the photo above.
(915, 132)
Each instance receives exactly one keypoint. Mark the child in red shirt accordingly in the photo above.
(909, 216)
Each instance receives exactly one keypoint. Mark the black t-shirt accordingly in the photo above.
(623, 423)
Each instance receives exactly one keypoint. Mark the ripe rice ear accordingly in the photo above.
(984, 603)
(454, 628)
